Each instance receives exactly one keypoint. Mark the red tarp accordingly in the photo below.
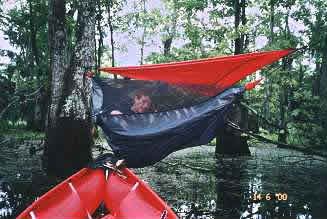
(220, 72)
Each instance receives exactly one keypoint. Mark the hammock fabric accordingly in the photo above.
(171, 106)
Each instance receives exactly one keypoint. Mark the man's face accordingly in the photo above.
(141, 104)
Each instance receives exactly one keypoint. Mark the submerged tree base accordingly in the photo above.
(231, 144)
(68, 147)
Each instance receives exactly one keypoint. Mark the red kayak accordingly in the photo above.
(124, 195)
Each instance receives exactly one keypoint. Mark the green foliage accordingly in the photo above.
(289, 96)
(23, 134)
(288, 88)
(177, 54)
(26, 31)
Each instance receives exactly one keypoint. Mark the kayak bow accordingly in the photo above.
(124, 195)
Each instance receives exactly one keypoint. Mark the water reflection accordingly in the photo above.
(195, 210)
(255, 187)
(213, 189)
(5, 206)
(229, 191)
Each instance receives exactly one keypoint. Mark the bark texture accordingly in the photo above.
(58, 65)
(76, 98)
(68, 139)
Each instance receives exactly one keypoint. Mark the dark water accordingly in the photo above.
(272, 183)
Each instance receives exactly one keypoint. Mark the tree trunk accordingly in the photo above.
(33, 122)
(237, 18)
(143, 36)
(168, 42)
(69, 129)
(283, 96)
(142, 46)
(272, 20)
(167, 45)
(316, 79)
(323, 73)
(58, 65)
(44, 103)
(284, 93)
(268, 83)
(244, 37)
(241, 41)
(229, 141)
(109, 6)
(33, 29)
(100, 42)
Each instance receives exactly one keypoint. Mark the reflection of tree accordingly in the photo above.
(229, 191)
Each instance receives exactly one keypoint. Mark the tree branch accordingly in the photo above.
(302, 148)
(8, 106)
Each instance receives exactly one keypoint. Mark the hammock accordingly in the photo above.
(169, 107)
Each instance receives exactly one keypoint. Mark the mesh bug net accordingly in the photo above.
(168, 107)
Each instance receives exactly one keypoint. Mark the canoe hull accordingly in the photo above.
(80, 195)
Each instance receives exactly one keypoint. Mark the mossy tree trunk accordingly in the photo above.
(230, 141)
(69, 123)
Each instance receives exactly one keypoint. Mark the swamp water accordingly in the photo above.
(273, 183)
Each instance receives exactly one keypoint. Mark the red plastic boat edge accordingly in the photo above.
(80, 195)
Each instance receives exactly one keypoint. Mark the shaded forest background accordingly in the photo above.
(292, 98)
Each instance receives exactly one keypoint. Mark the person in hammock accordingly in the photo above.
(142, 103)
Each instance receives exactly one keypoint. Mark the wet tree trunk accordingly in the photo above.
(229, 141)
(68, 136)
